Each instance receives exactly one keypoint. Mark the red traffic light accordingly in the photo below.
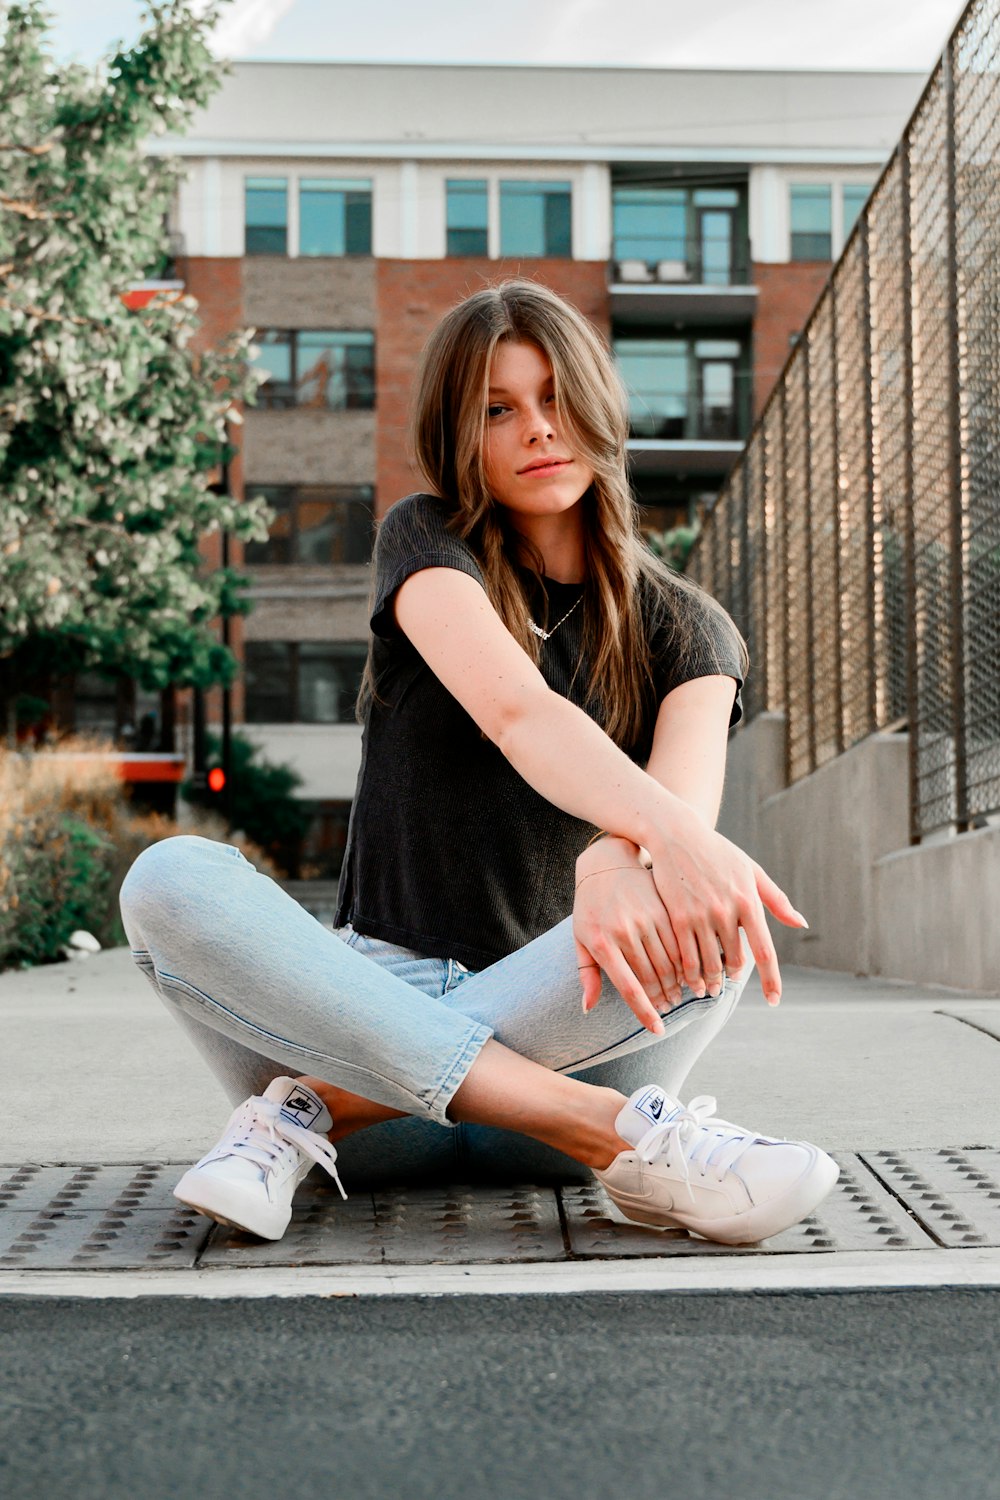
(216, 779)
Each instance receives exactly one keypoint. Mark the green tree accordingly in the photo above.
(110, 423)
(674, 546)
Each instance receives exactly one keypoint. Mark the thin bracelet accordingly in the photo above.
(639, 869)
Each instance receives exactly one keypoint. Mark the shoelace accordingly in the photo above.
(263, 1148)
(680, 1134)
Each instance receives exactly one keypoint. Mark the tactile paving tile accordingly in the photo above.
(857, 1215)
(459, 1225)
(38, 1188)
(955, 1193)
(450, 1226)
(100, 1217)
(324, 1231)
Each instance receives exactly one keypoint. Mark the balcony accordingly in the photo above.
(691, 288)
(663, 456)
(688, 403)
(680, 253)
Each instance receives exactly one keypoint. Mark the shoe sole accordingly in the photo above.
(218, 1201)
(761, 1222)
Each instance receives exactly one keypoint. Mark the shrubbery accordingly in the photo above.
(68, 835)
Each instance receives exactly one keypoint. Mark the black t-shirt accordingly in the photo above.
(450, 851)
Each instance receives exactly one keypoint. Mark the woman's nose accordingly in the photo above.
(538, 424)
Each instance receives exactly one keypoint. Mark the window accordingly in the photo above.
(535, 218)
(267, 216)
(317, 525)
(650, 224)
(855, 198)
(811, 222)
(678, 233)
(656, 374)
(335, 216)
(467, 207)
(683, 388)
(332, 370)
(302, 682)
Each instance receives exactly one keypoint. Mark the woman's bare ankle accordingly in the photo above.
(592, 1139)
(349, 1112)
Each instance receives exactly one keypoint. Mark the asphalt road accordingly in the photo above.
(830, 1396)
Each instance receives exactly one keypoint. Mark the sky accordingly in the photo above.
(855, 34)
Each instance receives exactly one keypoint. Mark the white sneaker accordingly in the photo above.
(271, 1142)
(693, 1171)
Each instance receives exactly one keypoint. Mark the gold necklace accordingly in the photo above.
(545, 634)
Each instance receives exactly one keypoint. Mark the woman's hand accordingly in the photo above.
(711, 890)
(678, 923)
(621, 926)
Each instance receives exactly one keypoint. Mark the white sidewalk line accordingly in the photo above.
(884, 1270)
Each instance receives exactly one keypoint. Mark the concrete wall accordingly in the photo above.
(838, 843)
(316, 291)
(302, 446)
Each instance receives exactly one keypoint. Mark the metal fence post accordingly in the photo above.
(909, 520)
(870, 523)
(957, 537)
(810, 623)
(838, 634)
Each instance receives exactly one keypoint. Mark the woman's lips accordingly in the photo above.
(542, 470)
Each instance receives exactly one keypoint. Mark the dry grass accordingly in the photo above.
(68, 835)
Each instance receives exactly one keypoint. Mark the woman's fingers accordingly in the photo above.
(667, 978)
(754, 924)
(775, 900)
(612, 961)
(590, 976)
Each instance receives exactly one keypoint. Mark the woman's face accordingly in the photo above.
(530, 468)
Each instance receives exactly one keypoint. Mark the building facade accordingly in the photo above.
(340, 210)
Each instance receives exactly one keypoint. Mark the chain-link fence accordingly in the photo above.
(857, 540)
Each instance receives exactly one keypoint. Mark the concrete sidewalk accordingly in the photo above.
(890, 1077)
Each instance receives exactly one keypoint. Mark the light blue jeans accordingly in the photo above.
(263, 988)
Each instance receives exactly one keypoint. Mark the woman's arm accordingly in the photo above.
(709, 888)
(688, 758)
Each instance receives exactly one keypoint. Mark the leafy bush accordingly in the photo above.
(68, 836)
(261, 802)
(674, 546)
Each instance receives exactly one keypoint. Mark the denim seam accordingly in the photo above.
(704, 1003)
(477, 1037)
(307, 1052)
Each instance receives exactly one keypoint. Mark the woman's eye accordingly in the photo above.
(495, 410)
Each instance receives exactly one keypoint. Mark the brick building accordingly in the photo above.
(340, 209)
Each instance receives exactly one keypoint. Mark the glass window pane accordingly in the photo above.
(717, 248)
(650, 224)
(329, 679)
(278, 547)
(716, 197)
(467, 242)
(656, 374)
(466, 216)
(357, 223)
(321, 221)
(718, 348)
(811, 221)
(316, 516)
(336, 369)
(535, 218)
(266, 206)
(334, 216)
(855, 198)
(268, 676)
(274, 356)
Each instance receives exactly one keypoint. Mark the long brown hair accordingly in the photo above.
(448, 435)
